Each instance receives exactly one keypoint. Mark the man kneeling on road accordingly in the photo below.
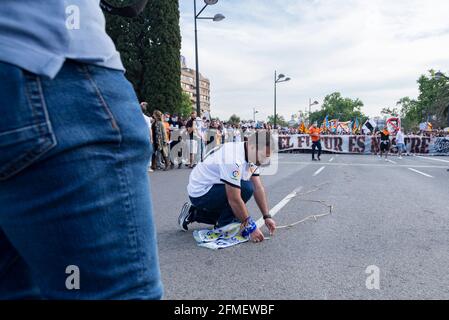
(220, 187)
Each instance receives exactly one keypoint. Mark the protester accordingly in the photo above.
(225, 135)
(384, 142)
(177, 148)
(315, 132)
(175, 123)
(74, 190)
(161, 142)
(220, 187)
(237, 134)
(204, 126)
(192, 145)
(166, 122)
(400, 143)
(149, 122)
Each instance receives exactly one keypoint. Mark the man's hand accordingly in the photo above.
(257, 236)
(271, 225)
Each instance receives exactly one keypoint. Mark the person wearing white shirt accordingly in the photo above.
(400, 143)
(149, 122)
(225, 133)
(224, 182)
(237, 134)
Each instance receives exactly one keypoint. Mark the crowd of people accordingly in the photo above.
(421, 133)
(181, 141)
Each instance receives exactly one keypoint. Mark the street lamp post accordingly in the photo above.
(440, 75)
(310, 107)
(254, 114)
(218, 17)
(277, 79)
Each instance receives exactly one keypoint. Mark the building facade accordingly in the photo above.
(188, 84)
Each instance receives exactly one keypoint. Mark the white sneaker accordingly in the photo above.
(183, 219)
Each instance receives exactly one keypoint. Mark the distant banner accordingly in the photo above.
(364, 144)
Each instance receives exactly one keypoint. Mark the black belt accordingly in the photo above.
(131, 11)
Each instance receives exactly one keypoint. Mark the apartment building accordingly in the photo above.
(188, 84)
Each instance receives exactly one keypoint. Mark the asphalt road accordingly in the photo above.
(392, 215)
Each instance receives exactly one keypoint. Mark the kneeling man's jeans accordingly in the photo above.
(75, 209)
(213, 208)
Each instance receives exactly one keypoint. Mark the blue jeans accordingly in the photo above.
(74, 189)
(213, 208)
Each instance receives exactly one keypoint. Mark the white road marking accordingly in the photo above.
(391, 161)
(318, 171)
(279, 206)
(421, 173)
(332, 159)
(427, 158)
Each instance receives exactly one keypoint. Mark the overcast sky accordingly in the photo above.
(373, 50)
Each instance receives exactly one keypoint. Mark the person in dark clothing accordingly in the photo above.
(160, 141)
(384, 142)
(315, 133)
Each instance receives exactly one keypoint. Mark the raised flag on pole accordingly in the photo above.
(370, 125)
(355, 126)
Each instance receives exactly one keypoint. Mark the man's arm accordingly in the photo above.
(260, 196)
(261, 200)
(236, 202)
(239, 209)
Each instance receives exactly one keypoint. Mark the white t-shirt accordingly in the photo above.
(204, 131)
(225, 133)
(225, 164)
(237, 135)
(399, 137)
(148, 121)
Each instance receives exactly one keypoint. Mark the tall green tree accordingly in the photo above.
(391, 112)
(186, 107)
(280, 121)
(433, 98)
(432, 103)
(150, 47)
(410, 113)
(234, 120)
(337, 107)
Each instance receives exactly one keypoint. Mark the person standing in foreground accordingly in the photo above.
(315, 134)
(74, 190)
(221, 185)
